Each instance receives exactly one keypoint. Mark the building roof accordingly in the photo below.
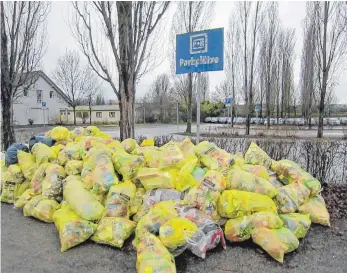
(52, 83)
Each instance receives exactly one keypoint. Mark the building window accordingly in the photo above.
(62, 112)
(39, 96)
(85, 114)
(51, 94)
(112, 114)
(99, 114)
(25, 92)
(78, 114)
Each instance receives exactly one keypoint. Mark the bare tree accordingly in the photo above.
(124, 45)
(331, 49)
(269, 35)
(76, 81)
(23, 42)
(250, 19)
(233, 60)
(159, 94)
(308, 72)
(190, 16)
(100, 99)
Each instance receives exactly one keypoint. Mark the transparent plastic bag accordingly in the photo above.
(152, 178)
(52, 184)
(297, 223)
(315, 206)
(41, 208)
(27, 164)
(256, 156)
(291, 197)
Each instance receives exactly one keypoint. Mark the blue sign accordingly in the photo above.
(43, 105)
(257, 108)
(228, 101)
(200, 51)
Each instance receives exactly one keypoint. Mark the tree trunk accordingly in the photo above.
(90, 115)
(8, 136)
(325, 72)
(74, 114)
(245, 63)
(189, 106)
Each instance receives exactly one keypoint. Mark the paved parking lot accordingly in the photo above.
(151, 130)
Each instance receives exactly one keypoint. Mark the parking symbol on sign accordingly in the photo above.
(198, 43)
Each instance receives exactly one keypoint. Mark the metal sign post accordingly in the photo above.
(43, 107)
(177, 117)
(198, 52)
(198, 109)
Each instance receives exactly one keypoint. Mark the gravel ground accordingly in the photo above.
(29, 245)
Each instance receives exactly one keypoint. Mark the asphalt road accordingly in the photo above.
(31, 246)
(151, 130)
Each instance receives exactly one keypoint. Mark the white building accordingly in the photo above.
(29, 104)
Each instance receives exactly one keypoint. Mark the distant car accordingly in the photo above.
(325, 121)
(272, 120)
(208, 119)
(299, 121)
(240, 120)
(253, 121)
(229, 120)
(222, 120)
(214, 120)
(343, 120)
(289, 121)
(280, 121)
(334, 121)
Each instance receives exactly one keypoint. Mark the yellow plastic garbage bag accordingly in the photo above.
(175, 233)
(115, 145)
(41, 208)
(234, 203)
(152, 178)
(48, 134)
(119, 200)
(274, 181)
(91, 131)
(74, 167)
(62, 157)
(147, 142)
(140, 150)
(167, 156)
(9, 191)
(39, 175)
(213, 157)
(153, 256)
(27, 164)
(103, 177)
(57, 148)
(239, 159)
(289, 172)
(297, 223)
(240, 229)
(82, 201)
(24, 198)
(186, 146)
(73, 230)
(113, 231)
(257, 170)
(204, 200)
(276, 242)
(290, 197)
(74, 151)
(43, 153)
(127, 165)
(245, 181)
(136, 204)
(316, 207)
(52, 184)
(156, 216)
(86, 175)
(60, 133)
(214, 181)
(256, 156)
(129, 144)
(142, 211)
(185, 178)
(21, 188)
(15, 173)
(79, 131)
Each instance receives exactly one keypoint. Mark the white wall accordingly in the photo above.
(105, 116)
(28, 107)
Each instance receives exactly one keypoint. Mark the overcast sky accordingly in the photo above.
(290, 13)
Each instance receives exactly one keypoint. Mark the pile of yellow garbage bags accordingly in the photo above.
(174, 198)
